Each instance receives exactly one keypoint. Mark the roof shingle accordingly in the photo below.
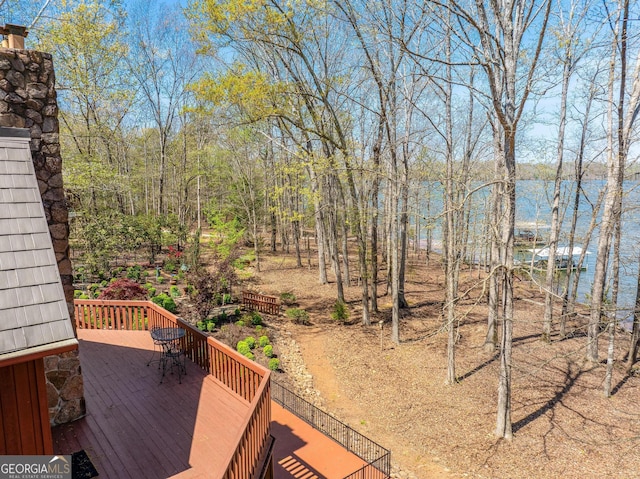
(33, 310)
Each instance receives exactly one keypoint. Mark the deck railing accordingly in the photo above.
(377, 457)
(261, 303)
(247, 379)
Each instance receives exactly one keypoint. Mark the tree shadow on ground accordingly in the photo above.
(622, 382)
(570, 380)
(479, 367)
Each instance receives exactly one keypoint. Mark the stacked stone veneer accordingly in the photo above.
(28, 100)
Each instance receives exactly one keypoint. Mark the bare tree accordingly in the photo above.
(501, 28)
(621, 115)
(570, 27)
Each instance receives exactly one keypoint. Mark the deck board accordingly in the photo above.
(136, 427)
(302, 452)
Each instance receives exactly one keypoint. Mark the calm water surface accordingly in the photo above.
(533, 205)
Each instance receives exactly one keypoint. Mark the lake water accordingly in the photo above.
(533, 205)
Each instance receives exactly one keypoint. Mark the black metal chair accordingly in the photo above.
(173, 357)
(157, 346)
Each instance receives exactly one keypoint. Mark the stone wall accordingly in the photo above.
(28, 100)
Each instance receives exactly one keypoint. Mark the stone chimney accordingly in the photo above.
(28, 100)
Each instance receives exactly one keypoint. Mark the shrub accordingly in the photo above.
(274, 364)
(124, 289)
(236, 312)
(82, 295)
(94, 287)
(160, 279)
(170, 266)
(240, 324)
(250, 355)
(211, 325)
(174, 292)
(147, 286)
(104, 283)
(211, 286)
(268, 350)
(297, 315)
(169, 304)
(256, 319)
(340, 312)
(263, 341)
(166, 302)
(259, 328)
(251, 341)
(77, 293)
(201, 325)
(113, 280)
(243, 348)
(152, 291)
(288, 298)
(226, 298)
(134, 272)
(222, 317)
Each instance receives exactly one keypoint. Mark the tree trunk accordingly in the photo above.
(615, 170)
(635, 329)
(569, 300)
(555, 209)
(612, 315)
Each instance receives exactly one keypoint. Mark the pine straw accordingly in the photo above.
(563, 425)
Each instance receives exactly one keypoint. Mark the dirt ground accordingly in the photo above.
(396, 395)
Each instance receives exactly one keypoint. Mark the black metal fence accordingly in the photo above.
(377, 457)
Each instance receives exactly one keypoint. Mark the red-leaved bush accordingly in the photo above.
(124, 289)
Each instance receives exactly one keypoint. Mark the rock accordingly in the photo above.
(36, 131)
(69, 411)
(57, 378)
(15, 78)
(53, 194)
(60, 246)
(34, 115)
(11, 120)
(59, 213)
(69, 364)
(64, 265)
(73, 389)
(50, 125)
(36, 90)
(17, 64)
(14, 99)
(58, 231)
(50, 110)
(55, 181)
(52, 396)
(51, 362)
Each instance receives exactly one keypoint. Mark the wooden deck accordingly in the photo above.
(302, 452)
(138, 428)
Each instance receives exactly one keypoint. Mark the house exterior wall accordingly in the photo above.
(28, 100)
(24, 419)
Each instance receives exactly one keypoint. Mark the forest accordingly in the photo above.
(374, 127)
